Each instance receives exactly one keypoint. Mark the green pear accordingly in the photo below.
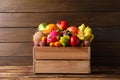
(42, 26)
(67, 37)
(64, 41)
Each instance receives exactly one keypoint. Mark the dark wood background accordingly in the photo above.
(19, 20)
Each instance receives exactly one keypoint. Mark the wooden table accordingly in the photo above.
(26, 73)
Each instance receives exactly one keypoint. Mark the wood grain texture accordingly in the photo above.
(61, 60)
(102, 34)
(58, 5)
(105, 61)
(105, 49)
(16, 49)
(25, 73)
(61, 53)
(18, 61)
(20, 18)
(59, 78)
(33, 19)
(27, 60)
(61, 66)
(106, 34)
(16, 34)
(102, 49)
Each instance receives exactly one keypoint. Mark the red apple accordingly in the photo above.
(62, 25)
(74, 41)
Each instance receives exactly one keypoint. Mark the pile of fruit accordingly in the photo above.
(62, 34)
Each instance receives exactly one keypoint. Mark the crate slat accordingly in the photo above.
(54, 66)
(62, 53)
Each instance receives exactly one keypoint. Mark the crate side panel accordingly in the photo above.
(54, 66)
(62, 53)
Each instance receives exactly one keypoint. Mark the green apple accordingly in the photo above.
(42, 26)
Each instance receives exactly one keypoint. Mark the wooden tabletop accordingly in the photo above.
(26, 73)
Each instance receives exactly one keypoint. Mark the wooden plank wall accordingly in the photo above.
(19, 20)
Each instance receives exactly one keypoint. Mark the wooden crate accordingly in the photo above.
(61, 60)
